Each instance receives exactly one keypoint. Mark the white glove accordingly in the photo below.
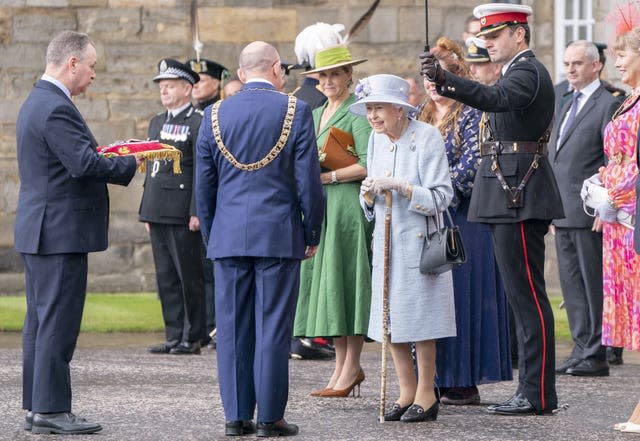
(595, 179)
(381, 184)
(366, 186)
(366, 191)
(607, 212)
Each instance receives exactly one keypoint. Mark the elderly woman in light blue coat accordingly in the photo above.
(408, 158)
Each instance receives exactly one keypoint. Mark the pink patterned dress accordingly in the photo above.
(621, 265)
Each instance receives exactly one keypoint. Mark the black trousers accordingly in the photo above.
(519, 249)
(177, 253)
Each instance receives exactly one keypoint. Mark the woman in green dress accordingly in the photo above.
(335, 285)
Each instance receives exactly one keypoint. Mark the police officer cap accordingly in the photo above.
(169, 69)
(496, 16)
(476, 51)
(211, 68)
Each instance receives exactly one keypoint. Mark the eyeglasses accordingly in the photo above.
(284, 71)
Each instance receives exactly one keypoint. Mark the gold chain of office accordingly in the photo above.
(273, 153)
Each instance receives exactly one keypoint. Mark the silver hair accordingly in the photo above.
(590, 49)
(67, 44)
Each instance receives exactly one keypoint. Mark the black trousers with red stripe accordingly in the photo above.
(519, 249)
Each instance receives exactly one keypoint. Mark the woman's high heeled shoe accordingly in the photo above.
(319, 392)
(416, 413)
(339, 393)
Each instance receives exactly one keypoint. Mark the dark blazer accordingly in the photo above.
(63, 203)
(580, 153)
(272, 212)
(520, 107)
(168, 197)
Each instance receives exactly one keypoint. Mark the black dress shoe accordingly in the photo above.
(163, 348)
(416, 413)
(186, 348)
(567, 364)
(239, 428)
(590, 368)
(28, 420)
(63, 423)
(517, 405)
(396, 412)
(614, 356)
(279, 428)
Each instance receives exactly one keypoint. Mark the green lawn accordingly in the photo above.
(141, 312)
(138, 312)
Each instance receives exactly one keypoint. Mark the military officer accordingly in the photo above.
(168, 209)
(207, 91)
(515, 190)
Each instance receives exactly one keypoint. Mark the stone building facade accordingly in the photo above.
(132, 35)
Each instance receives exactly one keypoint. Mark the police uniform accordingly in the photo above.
(168, 202)
(214, 70)
(516, 193)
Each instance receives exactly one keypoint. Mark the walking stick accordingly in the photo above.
(388, 201)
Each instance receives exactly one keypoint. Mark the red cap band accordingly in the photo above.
(506, 17)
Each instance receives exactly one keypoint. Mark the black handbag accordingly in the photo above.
(442, 249)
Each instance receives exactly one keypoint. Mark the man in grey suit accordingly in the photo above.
(576, 153)
(62, 215)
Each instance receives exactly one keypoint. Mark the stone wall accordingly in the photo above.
(132, 35)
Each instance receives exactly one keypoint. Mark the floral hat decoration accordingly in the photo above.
(382, 88)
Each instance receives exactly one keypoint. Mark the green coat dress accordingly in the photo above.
(335, 285)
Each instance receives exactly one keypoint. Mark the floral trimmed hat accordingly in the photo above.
(381, 88)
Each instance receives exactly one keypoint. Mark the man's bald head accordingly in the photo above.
(258, 57)
(260, 60)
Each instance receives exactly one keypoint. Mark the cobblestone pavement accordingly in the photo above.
(139, 396)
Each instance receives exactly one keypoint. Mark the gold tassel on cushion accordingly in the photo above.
(149, 150)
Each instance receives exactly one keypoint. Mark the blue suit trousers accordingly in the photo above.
(255, 304)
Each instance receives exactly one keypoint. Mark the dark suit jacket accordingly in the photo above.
(520, 107)
(63, 204)
(168, 197)
(580, 153)
(272, 212)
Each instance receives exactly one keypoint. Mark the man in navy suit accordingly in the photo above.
(62, 214)
(261, 205)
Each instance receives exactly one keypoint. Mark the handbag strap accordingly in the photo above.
(439, 225)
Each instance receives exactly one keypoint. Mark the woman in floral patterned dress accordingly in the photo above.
(621, 264)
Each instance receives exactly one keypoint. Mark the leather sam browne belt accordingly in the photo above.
(495, 149)
(512, 147)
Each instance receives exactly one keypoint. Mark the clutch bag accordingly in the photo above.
(338, 150)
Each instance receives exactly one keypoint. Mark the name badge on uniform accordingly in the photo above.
(174, 132)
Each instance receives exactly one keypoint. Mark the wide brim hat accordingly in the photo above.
(211, 68)
(497, 16)
(170, 69)
(382, 88)
(476, 51)
(333, 57)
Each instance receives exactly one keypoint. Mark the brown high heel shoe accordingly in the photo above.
(335, 393)
(319, 392)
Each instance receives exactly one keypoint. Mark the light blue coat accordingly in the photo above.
(421, 307)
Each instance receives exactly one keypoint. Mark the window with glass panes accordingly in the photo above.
(574, 21)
